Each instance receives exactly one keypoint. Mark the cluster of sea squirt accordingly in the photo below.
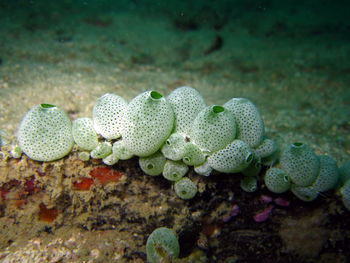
(171, 134)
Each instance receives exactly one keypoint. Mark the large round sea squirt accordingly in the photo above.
(45, 133)
(250, 125)
(148, 122)
(108, 115)
(213, 128)
(186, 103)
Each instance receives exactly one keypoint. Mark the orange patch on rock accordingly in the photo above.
(4, 192)
(105, 175)
(84, 184)
(20, 203)
(6, 188)
(47, 214)
(29, 185)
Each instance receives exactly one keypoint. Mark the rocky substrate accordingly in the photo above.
(75, 211)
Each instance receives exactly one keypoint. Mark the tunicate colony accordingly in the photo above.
(170, 134)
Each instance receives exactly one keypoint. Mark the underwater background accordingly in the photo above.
(291, 58)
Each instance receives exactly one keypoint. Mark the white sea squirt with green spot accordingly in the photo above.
(170, 134)
(213, 128)
(148, 122)
(45, 133)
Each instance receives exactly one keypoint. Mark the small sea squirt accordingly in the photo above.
(162, 246)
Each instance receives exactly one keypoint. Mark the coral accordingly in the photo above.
(45, 133)
(162, 246)
(152, 129)
(84, 134)
(107, 115)
(148, 122)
